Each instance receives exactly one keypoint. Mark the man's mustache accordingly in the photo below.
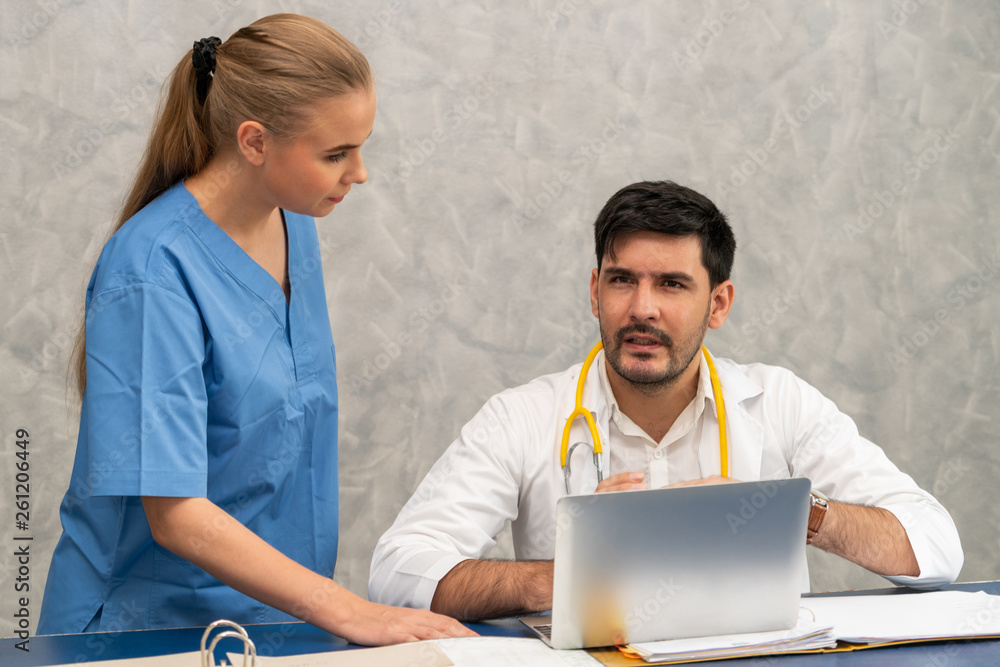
(644, 329)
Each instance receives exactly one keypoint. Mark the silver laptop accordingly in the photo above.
(670, 563)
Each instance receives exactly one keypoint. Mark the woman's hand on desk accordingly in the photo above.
(374, 624)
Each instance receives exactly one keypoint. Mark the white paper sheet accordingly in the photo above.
(192, 659)
(885, 618)
(804, 631)
(508, 651)
(416, 654)
(461, 652)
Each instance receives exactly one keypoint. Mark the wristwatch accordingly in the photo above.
(818, 506)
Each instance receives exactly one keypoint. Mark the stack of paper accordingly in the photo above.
(803, 637)
(853, 619)
(879, 619)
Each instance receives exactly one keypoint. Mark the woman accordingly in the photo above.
(205, 479)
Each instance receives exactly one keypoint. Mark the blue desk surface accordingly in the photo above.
(300, 638)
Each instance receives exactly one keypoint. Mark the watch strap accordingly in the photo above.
(818, 507)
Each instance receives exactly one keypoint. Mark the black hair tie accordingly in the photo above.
(203, 58)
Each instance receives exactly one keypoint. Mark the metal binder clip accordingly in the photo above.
(208, 655)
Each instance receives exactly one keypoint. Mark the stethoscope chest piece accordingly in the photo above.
(597, 454)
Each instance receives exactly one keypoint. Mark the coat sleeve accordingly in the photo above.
(825, 446)
(457, 510)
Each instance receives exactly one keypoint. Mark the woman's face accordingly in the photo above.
(313, 172)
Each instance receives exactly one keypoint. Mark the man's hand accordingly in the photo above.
(623, 481)
(633, 481)
(480, 589)
(872, 537)
(714, 479)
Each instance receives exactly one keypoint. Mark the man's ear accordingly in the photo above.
(593, 294)
(722, 303)
(251, 139)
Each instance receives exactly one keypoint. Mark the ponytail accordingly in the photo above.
(177, 148)
(272, 71)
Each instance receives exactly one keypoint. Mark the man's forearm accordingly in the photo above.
(872, 537)
(479, 589)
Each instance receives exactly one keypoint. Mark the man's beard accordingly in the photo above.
(650, 380)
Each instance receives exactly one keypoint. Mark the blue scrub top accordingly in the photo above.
(201, 381)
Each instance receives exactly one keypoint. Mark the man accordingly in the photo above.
(664, 255)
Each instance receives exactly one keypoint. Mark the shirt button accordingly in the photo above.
(658, 454)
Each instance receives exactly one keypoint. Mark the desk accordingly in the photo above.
(299, 638)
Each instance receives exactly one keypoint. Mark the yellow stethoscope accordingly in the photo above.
(566, 452)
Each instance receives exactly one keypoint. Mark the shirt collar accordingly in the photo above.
(703, 391)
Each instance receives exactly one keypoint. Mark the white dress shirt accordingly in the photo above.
(672, 459)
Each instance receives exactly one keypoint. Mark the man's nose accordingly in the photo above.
(643, 305)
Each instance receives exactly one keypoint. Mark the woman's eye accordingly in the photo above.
(338, 157)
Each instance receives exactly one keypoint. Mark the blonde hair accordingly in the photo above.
(271, 71)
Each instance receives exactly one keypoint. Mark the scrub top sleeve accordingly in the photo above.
(145, 395)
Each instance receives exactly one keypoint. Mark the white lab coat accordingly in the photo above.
(505, 467)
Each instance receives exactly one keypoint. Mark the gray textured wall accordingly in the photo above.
(855, 146)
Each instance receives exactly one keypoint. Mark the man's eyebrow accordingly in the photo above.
(344, 147)
(678, 276)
